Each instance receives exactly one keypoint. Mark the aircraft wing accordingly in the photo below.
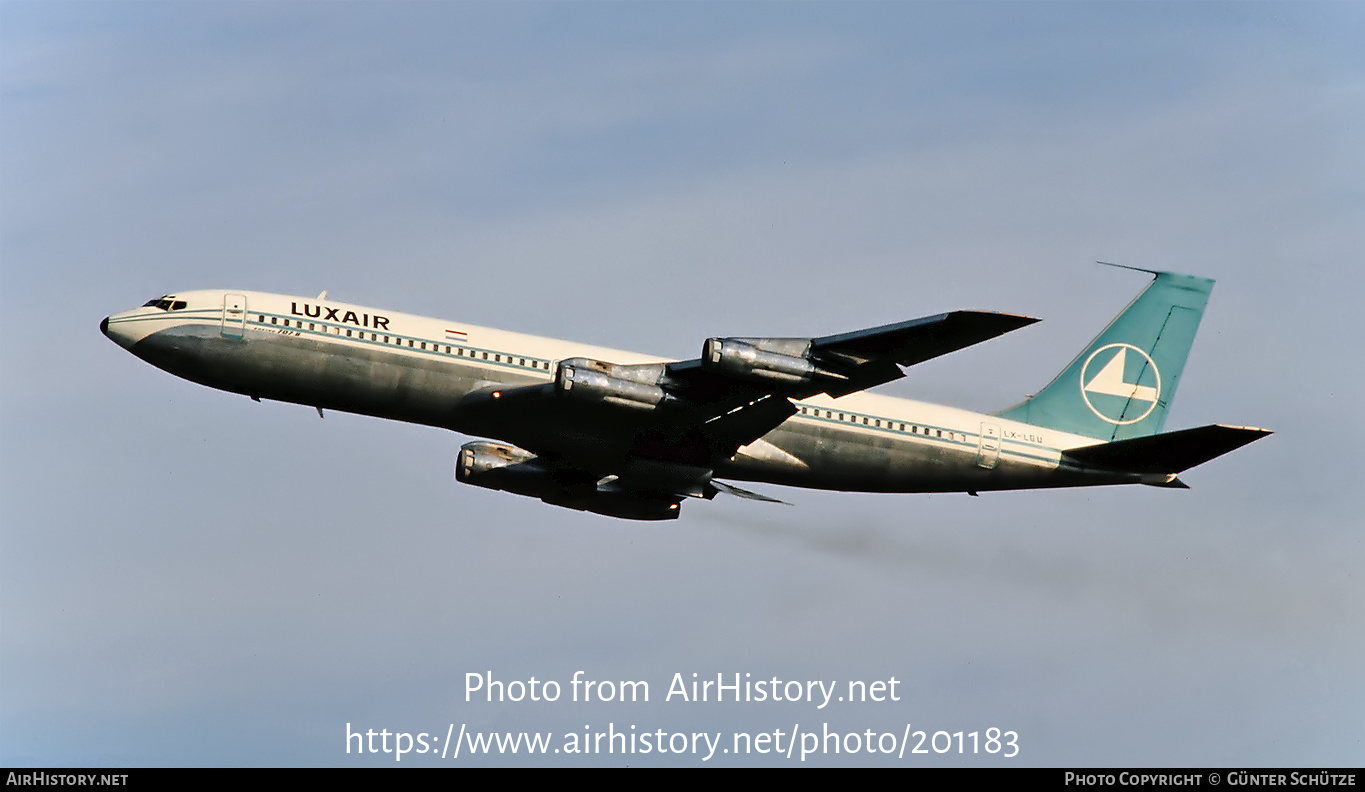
(662, 427)
(834, 364)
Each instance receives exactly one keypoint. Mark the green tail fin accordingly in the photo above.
(1122, 384)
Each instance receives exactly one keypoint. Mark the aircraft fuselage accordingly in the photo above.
(386, 364)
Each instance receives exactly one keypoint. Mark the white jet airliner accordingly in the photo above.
(632, 436)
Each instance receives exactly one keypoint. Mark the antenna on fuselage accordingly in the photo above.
(323, 296)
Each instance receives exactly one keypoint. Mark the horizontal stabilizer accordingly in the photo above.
(1171, 452)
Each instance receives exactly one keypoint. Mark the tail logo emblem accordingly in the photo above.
(1110, 380)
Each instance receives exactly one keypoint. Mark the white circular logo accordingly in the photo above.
(1109, 380)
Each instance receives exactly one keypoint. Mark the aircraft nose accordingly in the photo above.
(123, 329)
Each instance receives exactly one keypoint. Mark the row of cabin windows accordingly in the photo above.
(458, 350)
(876, 422)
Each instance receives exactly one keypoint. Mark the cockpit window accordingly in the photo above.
(166, 302)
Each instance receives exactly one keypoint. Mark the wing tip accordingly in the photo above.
(731, 489)
(1003, 317)
(1256, 430)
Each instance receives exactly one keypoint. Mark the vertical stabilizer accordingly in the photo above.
(1121, 385)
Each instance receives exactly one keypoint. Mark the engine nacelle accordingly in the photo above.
(741, 358)
(504, 467)
(635, 387)
(501, 466)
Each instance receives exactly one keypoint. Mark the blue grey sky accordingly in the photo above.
(187, 577)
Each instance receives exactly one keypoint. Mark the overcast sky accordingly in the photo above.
(187, 577)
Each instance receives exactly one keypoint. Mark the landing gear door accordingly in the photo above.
(234, 315)
(988, 451)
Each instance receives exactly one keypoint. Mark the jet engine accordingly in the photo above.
(635, 387)
(765, 359)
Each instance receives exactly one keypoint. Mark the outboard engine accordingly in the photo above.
(782, 360)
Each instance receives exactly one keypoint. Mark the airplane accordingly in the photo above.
(632, 436)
